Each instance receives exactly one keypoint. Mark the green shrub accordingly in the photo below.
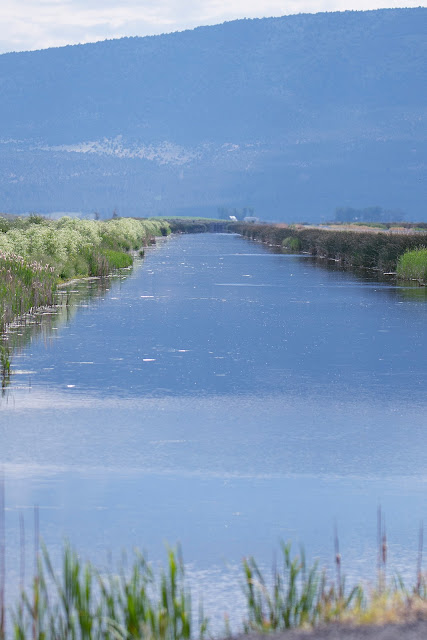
(292, 243)
(117, 259)
(413, 265)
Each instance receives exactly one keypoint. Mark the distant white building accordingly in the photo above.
(233, 218)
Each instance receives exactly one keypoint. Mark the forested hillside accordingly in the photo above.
(293, 116)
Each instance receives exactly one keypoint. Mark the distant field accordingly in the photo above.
(374, 228)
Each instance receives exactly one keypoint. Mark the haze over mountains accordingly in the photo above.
(292, 116)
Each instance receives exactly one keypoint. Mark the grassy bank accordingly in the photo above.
(351, 248)
(24, 284)
(36, 254)
(413, 266)
(81, 602)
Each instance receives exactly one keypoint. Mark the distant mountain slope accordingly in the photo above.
(293, 115)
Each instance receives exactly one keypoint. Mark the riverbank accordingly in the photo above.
(36, 254)
(197, 225)
(381, 251)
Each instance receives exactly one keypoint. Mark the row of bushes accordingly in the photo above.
(197, 225)
(352, 248)
(36, 253)
(75, 247)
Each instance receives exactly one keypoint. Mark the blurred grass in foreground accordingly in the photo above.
(80, 602)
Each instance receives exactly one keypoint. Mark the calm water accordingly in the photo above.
(225, 397)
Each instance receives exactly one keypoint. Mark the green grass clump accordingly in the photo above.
(81, 603)
(413, 265)
(291, 243)
(118, 259)
(298, 595)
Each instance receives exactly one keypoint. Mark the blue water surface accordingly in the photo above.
(226, 397)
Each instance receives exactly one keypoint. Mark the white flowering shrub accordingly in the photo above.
(19, 241)
(128, 233)
(6, 244)
(77, 247)
(35, 252)
(89, 229)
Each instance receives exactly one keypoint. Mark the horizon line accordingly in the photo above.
(207, 26)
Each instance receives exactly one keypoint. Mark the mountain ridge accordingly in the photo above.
(212, 26)
(297, 99)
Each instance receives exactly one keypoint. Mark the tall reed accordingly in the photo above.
(297, 596)
(82, 603)
(24, 284)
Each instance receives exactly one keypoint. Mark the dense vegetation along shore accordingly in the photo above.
(189, 224)
(401, 253)
(36, 254)
(137, 602)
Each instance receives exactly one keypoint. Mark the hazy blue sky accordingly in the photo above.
(37, 24)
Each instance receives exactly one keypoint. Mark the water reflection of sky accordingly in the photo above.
(201, 320)
(226, 397)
